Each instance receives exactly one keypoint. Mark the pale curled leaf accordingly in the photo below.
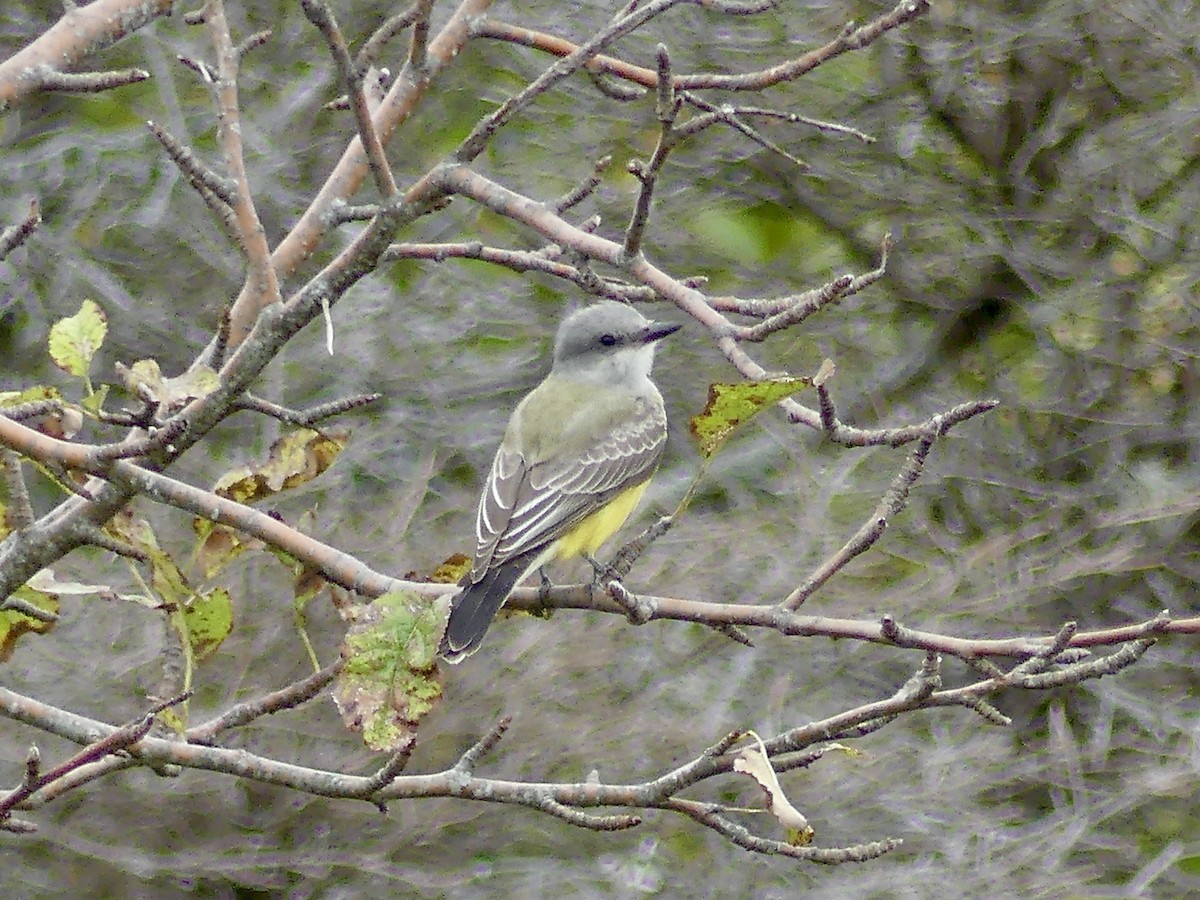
(146, 379)
(753, 761)
(69, 423)
(827, 371)
(46, 583)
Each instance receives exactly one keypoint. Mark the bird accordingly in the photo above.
(576, 457)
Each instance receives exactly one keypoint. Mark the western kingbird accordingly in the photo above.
(576, 457)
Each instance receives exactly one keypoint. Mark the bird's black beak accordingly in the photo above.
(656, 331)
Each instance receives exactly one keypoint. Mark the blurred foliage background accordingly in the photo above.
(1038, 164)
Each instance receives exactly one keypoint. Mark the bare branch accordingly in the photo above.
(797, 119)
(888, 508)
(731, 116)
(373, 48)
(849, 39)
(419, 45)
(321, 16)
(204, 179)
(79, 35)
(250, 43)
(581, 819)
(285, 698)
(116, 740)
(666, 108)
(48, 79)
(305, 417)
(15, 235)
(261, 277)
(20, 510)
(482, 133)
(104, 541)
(466, 763)
(33, 410)
(582, 191)
(390, 770)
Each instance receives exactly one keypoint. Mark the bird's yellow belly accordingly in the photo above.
(588, 535)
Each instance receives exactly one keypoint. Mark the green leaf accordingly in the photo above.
(75, 340)
(94, 402)
(730, 406)
(1189, 865)
(209, 620)
(390, 678)
(29, 395)
(166, 579)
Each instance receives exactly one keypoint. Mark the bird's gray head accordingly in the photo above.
(609, 339)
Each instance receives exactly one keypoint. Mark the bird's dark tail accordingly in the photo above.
(472, 611)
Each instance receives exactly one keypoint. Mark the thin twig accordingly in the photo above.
(257, 39)
(418, 48)
(666, 108)
(97, 538)
(304, 417)
(893, 501)
(48, 79)
(322, 17)
(14, 236)
(199, 175)
(371, 50)
(115, 741)
(466, 763)
(285, 698)
(583, 190)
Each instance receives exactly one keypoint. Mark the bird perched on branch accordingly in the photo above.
(576, 458)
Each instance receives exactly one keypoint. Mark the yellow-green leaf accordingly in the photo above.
(14, 624)
(295, 458)
(143, 374)
(731, 406)
(75, 340)
(217, 547)
(94, 401)
(451, 570)
(390, 679)
(209, 620)
(29, 395)
(166, 578)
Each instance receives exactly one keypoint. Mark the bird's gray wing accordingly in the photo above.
(526, 506)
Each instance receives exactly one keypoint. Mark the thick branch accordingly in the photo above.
(79, 34)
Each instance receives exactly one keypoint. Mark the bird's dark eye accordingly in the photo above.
(608, 339)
